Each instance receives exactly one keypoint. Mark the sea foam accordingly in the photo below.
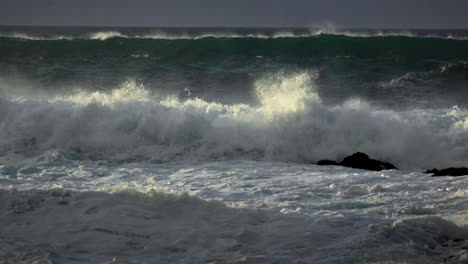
(98, 227)
(289, 123)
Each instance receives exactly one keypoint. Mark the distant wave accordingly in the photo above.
(20, 35)
(290, 124)
(112, 44)
(104, 35)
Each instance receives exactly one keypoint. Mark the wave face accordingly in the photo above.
(114, 44)
(257, 94)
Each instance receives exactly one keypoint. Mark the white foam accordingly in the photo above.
(21, 35)
(105, 35)
(63, 226)
(290, 123)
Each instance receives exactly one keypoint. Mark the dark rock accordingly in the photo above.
(448, 172)
(360, 160)
(327, 162)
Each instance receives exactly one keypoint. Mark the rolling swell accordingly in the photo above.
(395, 47)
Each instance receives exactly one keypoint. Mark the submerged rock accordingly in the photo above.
(360, 160)
(449, 172)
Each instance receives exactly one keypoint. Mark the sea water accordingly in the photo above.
(198, 145)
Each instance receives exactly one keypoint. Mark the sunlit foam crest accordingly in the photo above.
(127, 92)
(460, 117)
(289, 123)
(282, 94)
(278, 94)
(106, 35)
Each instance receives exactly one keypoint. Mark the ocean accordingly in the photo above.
(199, 145)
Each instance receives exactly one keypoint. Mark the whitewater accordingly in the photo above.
(141, 145)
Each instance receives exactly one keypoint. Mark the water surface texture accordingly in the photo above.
(197, 145)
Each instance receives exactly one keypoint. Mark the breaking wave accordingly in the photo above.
(289, 123)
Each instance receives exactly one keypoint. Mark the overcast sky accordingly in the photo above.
(260, 13)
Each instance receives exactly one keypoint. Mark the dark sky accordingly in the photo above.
(261, 13)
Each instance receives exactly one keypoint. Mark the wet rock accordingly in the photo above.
(327, 162)
(360, 160)
(449, 172)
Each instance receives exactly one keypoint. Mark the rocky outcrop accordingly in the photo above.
(449, 172)
(360, 160)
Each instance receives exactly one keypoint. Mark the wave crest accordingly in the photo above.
(290, 123)
(223, 33)
(106, 35)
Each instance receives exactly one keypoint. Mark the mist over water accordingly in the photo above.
(197, 145)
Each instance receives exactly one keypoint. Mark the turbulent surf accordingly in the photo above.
(197, 145)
